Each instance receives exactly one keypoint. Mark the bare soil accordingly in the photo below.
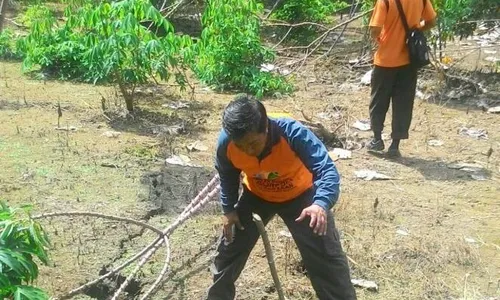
(433, 232)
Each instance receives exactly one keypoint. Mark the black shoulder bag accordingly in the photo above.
(415, 41)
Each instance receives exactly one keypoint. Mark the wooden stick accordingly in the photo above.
(269, 254)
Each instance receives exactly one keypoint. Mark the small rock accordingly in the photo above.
(111, 134)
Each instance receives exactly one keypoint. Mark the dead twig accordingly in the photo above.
(269, 255)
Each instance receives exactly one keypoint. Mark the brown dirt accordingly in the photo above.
(69, 170)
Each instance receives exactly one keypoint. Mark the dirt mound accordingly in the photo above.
(172, 188)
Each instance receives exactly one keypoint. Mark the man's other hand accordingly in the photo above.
(318, 218)
(229, 220)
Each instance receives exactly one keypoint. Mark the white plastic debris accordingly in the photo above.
(470, 240)
(467, 167)
(267, 67)
(197, 146)
(366, 284)
(494, 110)
(492, 59)
(70, 128)
(111, 134)
(473, 132)
(285, 72)
(285, 233)
(341, 153)
(371, 175)
(402, 232)
(363, 125)
(367, 78)
(435, 143)
(181, 160)
(479, 177)
(177, 105)
(490, 52)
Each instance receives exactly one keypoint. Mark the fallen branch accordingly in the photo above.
(325, 34)
(181, 219)
(149, 250)
(319, 41)
(98, 215)
(269, 255)
(162, 274)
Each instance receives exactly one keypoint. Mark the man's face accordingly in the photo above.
(252, 143)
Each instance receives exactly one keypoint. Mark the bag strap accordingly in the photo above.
(402, 15)
(387, 4)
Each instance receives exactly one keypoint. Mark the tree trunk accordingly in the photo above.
(3, 10)
(129, 97)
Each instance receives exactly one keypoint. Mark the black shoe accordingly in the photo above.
(375, 145)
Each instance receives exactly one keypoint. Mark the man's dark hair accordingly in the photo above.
(243, 115)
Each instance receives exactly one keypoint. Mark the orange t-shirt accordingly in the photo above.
(392, 51)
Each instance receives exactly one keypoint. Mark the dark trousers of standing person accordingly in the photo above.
(398, 84)
(323, 257)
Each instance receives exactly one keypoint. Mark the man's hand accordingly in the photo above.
(318, 218)
(229, 220)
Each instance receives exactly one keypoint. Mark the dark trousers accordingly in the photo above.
(324, 259)
(398, 84)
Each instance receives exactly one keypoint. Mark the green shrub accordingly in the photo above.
(307, 10)
(230, 52)
(21, 241)
(8, 49)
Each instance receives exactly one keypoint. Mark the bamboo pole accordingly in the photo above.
(269, 254)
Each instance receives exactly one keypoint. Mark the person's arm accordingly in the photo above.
(378, 19)
(428, 16)
(314, 155)
(228, 174)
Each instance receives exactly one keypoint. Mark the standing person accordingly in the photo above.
(286, 171)
(393, 76)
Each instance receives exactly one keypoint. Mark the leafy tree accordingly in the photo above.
(107, 43)
(21, 241)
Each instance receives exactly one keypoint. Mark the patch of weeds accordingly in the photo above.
(141, 151)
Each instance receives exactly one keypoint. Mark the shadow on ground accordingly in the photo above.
(439, 170)
(162, 118)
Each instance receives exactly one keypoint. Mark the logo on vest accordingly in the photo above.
(271, 182)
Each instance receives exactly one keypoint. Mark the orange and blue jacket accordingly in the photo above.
(293, 161)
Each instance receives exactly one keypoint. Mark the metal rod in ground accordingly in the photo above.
(269, 254)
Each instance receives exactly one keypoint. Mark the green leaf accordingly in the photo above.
(24, 292)
(10, 259)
